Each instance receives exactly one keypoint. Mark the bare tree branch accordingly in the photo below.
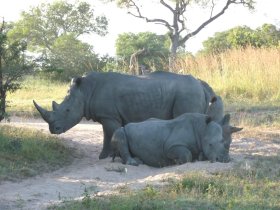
(139, 15)
(189, 35)
(212, 8)
(167, 6)
(179, 24)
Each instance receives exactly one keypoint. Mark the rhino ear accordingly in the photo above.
(77, 81)
(208, 119)
(235, 129)
(213, 99)
(225, 120)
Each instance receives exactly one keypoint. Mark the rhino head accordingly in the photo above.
(67, 114)
(217, 139)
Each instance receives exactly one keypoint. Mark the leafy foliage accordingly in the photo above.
(42, 25)
(13, 65)
(241, 37)
(52, 31)
(70, 57)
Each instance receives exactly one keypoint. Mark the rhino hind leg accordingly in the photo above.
(109, 126)
(179, 154)
(119, 139)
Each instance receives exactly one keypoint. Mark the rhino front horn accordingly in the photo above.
(44, 113)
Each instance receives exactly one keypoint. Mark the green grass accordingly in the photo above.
(253, 185)
(26, 152)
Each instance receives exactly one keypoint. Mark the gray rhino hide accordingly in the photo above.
(114, 100)
(161, 143)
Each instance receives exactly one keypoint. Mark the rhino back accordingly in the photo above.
(132, 99)
(187, 131)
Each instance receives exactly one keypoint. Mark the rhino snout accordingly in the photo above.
(223, 159)
(54, 129)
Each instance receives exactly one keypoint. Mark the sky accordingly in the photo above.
(266, 11)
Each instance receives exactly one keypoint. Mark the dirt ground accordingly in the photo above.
(101, 177)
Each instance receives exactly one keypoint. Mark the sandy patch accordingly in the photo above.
(99, 176)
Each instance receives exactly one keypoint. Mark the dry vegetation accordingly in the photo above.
(241, 74)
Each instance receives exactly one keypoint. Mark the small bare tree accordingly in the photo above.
(178, 31)
(134, 64)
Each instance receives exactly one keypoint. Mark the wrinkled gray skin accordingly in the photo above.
(114, 100)
(159, 143)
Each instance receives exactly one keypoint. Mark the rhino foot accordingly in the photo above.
(138, 160)
(132, 161)
(104, 154)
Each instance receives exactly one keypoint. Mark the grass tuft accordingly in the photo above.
(26, 152)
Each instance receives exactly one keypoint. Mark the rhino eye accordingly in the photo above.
(67, 110)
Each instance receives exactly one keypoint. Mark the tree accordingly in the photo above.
(241, 37)
(69, 57)
(13, 65)
(51, 30)
(216, 44)
(268, 35)
(156, 48)
(178, 30)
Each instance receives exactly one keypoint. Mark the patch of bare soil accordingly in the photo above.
(101, 177)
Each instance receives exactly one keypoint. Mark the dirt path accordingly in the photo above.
(90, 173)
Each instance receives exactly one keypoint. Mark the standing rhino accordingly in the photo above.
(114, 100)
(159, 143)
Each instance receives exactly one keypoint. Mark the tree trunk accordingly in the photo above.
(173, 51)
(2, 107)
(2, 92)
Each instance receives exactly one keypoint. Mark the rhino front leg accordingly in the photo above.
(119, 139)
(179, 154)
(109, 126)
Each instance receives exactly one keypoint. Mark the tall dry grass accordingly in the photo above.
(250, 74)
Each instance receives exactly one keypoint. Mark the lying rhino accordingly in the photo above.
(159, 143)
(114, 100)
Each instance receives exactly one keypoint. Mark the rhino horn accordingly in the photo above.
(55, 105)
(235, 129)
(46, 115)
